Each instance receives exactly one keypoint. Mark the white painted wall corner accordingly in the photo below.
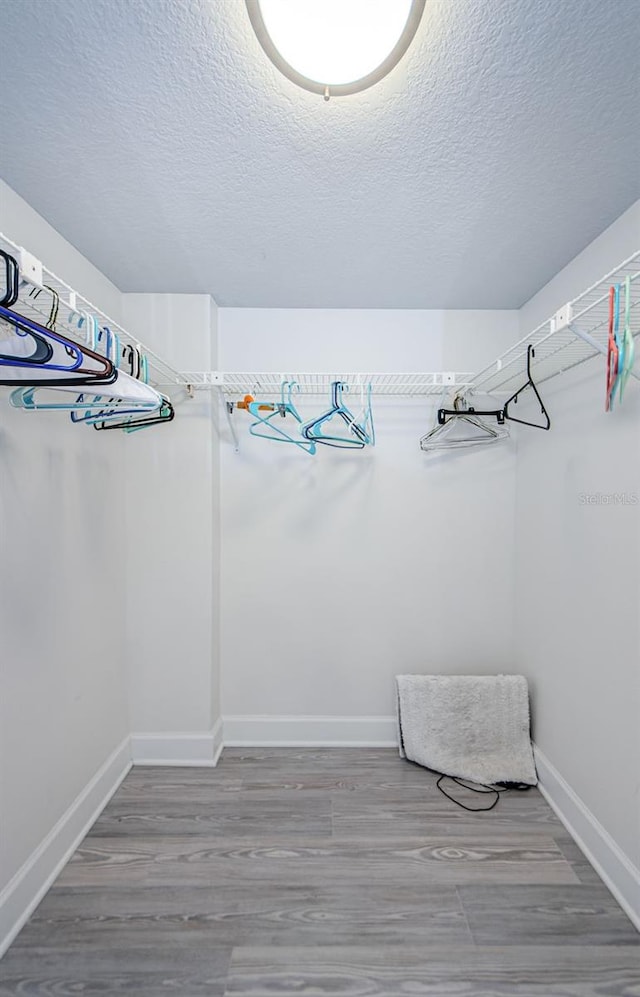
(26, 889)
(612, 865)
(178, 748)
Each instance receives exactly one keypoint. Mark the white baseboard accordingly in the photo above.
(612, 865)
(24, 892)
(311, 732)
(178, 748)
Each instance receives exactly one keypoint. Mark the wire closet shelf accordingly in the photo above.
(576, 333)
(71, 306)
(236, 384)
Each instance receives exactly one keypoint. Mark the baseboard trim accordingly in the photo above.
(24, 892)
(256, 731)
(615, 869)
(178, 747)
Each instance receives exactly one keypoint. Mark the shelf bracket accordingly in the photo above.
(598, 347)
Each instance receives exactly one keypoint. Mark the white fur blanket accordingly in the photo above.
(475, 727)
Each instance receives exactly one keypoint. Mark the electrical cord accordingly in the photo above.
(482, 790)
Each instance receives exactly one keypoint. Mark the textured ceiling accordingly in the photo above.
(156, 137)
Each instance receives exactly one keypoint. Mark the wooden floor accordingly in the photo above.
(333, 871)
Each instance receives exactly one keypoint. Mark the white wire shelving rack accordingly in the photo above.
(576, 333)
(71, 306)
(237, 384)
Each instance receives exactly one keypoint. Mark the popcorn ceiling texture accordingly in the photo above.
(157, 138)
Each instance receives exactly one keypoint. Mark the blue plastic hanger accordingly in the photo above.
(358, 435)
(265, 426)
(69, 363)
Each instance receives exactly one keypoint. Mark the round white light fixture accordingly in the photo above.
(335, 47)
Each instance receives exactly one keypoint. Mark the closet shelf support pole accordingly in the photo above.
(599, 347)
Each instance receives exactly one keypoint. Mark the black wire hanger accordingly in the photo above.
(514, 398)
(444, 414)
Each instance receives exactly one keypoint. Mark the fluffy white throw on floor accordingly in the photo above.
(475, 727)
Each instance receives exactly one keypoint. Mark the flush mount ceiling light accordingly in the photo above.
(335, 47)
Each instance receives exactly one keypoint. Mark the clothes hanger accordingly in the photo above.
(514, 398)
(313, 430)
(501, 414)
(111, 344)
(268, 430)
(34, 398)
(618, 337)
(365, 417)
(131, 355)
(165, 413)
(144, 366)
(140, 394)
(113, 409)
(445, 415)
(19, 343)
(464, 432)
(12, 280)
(629, 343)
(612, 353)
(69, 363)
(43, 351)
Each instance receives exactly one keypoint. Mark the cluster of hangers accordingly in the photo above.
(462, 426)
(621, 347)
(465, 426)
(47, 369)
(336, 427)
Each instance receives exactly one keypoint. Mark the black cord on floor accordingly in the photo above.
(481, 789)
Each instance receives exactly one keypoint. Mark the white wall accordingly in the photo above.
(578, 568)
(24, 226)
(172, 536)
(62, 595)
(615, 244)
(109, 547)
(341, 570)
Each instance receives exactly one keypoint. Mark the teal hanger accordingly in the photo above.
(133, 424)
(619, 339)
(367, 420)
(113, 347)
(359, 434)
(115, 410)
(98, 408)
(92, 332)
(25, 398)
(266, 427)
(629, 345)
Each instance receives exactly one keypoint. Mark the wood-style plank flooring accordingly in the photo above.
(322, 872)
